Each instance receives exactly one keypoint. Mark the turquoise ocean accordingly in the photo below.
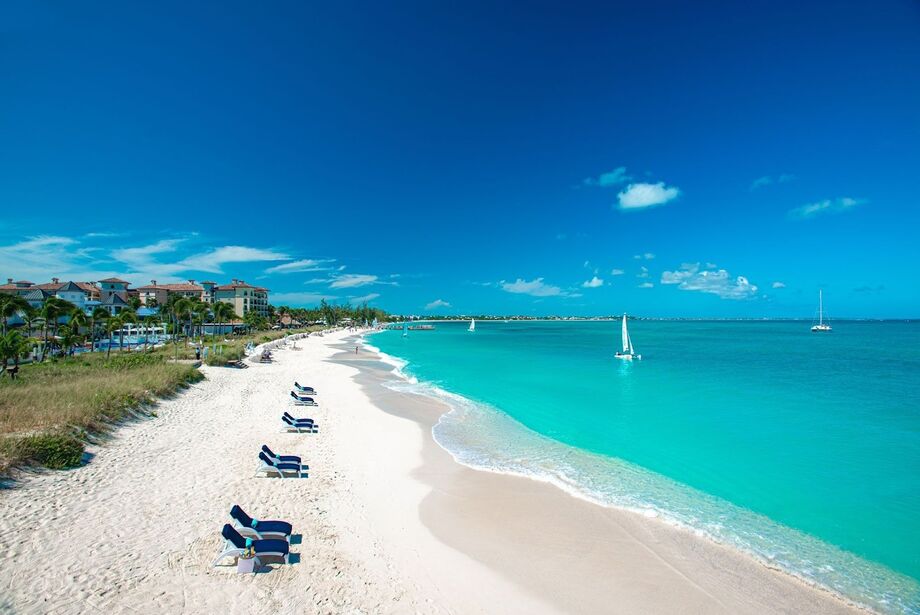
(801, 449)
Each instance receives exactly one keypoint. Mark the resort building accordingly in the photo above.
(73, 293)
(153, 294)
(243, 297)
(113, 286)
(21, 288)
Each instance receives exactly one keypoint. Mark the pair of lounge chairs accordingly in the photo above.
(263, 538)
(302, 400)
(304, 390)
(289, 423)
(281, 465)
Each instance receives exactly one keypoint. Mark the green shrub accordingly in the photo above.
(55, 451)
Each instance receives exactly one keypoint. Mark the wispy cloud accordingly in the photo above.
(617, 272)
(594, 282)
(766, 180)
(643, 272)
(869, 289)
(643, 196)
(353, 280)
(437, 303)
(644, 257)
(715, 281)
(778, 285)
(213, 260)
(363, 298)
(646, 285)
(299, 299)
(611, 178)
(536, 288)
(301, 266)
(827, 206)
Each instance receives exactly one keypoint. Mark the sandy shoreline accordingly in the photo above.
(386, 522)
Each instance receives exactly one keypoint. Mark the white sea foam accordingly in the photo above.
(484, 438)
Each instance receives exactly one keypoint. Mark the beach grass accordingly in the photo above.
(49, 410)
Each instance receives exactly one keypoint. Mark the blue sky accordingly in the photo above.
(667, 159)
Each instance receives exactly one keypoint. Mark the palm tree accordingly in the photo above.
(203, 310)
(10, 305)
(184, 307)
(100, 314)
(112, 325)
(223, 312)
(12, 346)
(126, 316)
(54, 308)
(149, 322)
(30, 317)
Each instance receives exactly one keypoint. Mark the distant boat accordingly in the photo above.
(821, 327)
(628, 353)
(406, 329)
(472, 325)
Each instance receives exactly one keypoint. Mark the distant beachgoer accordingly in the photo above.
(197, 353)
(356, 350)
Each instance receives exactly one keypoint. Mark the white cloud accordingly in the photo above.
(611, 178)
(646, 285)
(594, 282)
(363, 298)
(719, 282)
(437, 303)
(213, 260)
(643, 272)
(298, 299)
(766, 180)
(617, 272)
(646, 257)
(778, 285)
(641, 196)
(303, 265)
(353, 280)
(535, 288)
(827, 206)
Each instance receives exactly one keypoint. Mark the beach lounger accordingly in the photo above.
(303, 389)
(235, 546)
(303, 401)
(271, 467)
(293, 419)
(257, 529)
(288, 423)
(281, 458)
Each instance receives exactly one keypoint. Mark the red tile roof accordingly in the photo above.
(115, 280)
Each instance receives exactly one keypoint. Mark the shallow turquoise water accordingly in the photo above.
(801, 448)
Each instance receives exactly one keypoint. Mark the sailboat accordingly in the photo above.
(472, 325)
(628, 353)
(821, 327)
(406, 329)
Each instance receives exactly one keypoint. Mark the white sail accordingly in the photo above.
(472, 324)
(406, 329)
(820, 307)
(627, 349)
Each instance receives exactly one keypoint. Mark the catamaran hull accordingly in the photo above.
(628, 357)
(820, 329)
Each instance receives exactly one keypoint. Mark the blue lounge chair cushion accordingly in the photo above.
(272, 527)
(259, 546)
(284, 458)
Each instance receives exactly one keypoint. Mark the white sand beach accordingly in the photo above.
(387, 521)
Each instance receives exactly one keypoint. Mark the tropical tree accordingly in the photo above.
(52, 311)
(13, 346)
(70, 336)
(30, 317)
(99, 314)
(126, 316)
(224, 312)
(149, 323)
(183, 308)
(112, 324)
(202, 312)
(10, 305)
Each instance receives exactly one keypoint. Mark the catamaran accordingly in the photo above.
(821, 327)
(628, 353)
(472, 325)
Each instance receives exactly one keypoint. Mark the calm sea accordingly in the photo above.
(802, 449)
